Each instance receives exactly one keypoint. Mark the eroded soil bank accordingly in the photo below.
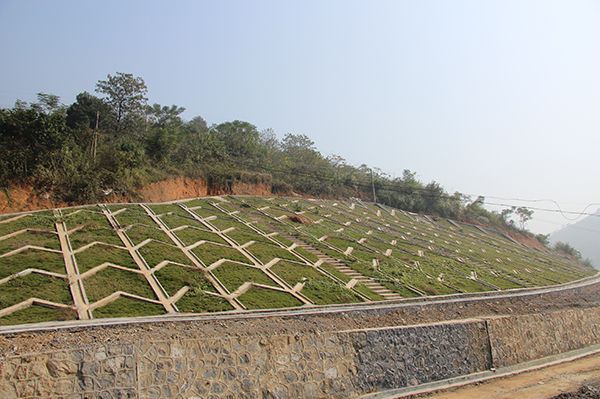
(25, 198)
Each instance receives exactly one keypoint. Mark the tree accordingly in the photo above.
(543, 238)
(86, 111)
(242, 140)
(197, 125)
(524, 215)
(47, 103)
(164, 115)
(29, 134)
(567, 249)
(125, 93)
(506, 215)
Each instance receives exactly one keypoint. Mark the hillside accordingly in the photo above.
(583, 235)
(97, 150)
(241, 252)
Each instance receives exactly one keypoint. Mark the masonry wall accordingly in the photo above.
(518, 339)
(343, 364)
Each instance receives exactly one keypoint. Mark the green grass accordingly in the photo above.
(267, 252)
(223, 222)
(162, 209)
(439, 271)
(331, 269)
(279, 238)
(318, 287)
(264, 298)
(210, 253)
(196, 301)
(34, 221)
(34, 286)
(99, 254)
(36, 238)
(133, 215)
(232, 275)
(172, 221)
(326, 292)
(242, 236)
(155, 252)
(91, 219)
(293, 273)
(110, 280)
(89, 235)
(192, 235)
(128, 307)
(175, 277)
(37, 314)
(398, 288)
(32, 259)
(139, 233)
(308, 255)
(206, 209)
(363, 289)
(199, 202)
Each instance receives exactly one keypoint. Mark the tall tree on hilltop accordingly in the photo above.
(125, 93)
(525, 215)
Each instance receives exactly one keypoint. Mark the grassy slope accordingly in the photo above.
(412, 253)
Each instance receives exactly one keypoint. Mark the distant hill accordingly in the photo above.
(584, 236)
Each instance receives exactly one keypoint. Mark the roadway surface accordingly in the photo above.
(538, 384)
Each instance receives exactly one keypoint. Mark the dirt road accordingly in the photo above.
(539, 384)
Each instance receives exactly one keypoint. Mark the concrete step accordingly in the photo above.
(344, 268)
(391, 296)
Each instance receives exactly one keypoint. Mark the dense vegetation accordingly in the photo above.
(115, 142)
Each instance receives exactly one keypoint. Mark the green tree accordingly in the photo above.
(506, 215)
(29, 134)
(126, 94)
(87, 110)
(163, 116)
(243, 141)
(567, 249)
(525, 215)
(543, 238)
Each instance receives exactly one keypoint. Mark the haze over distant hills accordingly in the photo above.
(584, 236)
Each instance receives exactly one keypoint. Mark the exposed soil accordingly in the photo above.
(579, 379)
(240, 188)
(300, 219)
(24, 198)
(174, 189)
(583, 297)
(526, 240)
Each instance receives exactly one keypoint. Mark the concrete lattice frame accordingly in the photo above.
(30, 301)
(383, 219)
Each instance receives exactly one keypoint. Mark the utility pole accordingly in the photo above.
(95, 142)
(373, 186)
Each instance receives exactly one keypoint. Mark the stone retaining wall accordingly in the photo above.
(343, 364)
(518, 339)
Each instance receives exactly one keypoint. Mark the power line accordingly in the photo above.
(424, 192)
(549, 200)
(571, 226)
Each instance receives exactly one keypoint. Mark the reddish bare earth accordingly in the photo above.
(530, 242)
(578, 379)
(174, 189)
(24, 198)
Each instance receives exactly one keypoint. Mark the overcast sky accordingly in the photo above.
(500, 98)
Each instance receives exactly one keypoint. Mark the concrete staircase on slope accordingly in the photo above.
(343, 268)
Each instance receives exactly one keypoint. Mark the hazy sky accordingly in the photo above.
(487, 97)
